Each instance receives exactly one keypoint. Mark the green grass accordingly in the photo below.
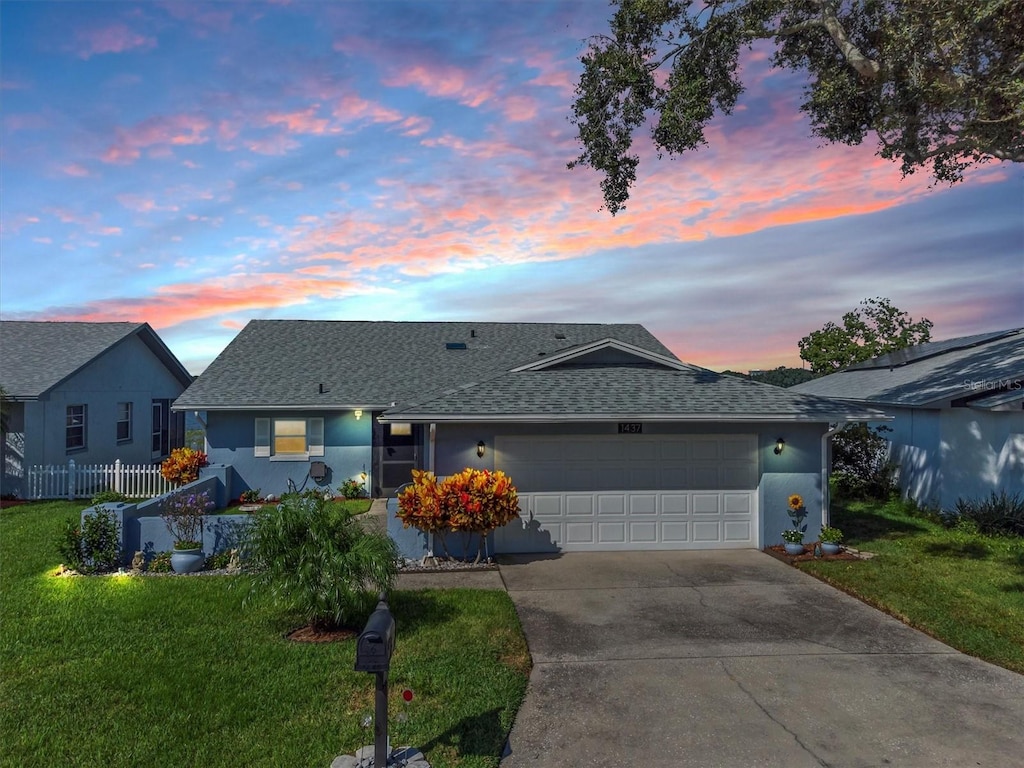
(963, 588)
(129, 671)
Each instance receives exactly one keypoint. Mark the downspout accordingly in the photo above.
(432, 449)
(825, 500)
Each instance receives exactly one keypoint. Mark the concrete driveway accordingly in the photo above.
(735, 659)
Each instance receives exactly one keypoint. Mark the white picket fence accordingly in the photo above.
(71, 481)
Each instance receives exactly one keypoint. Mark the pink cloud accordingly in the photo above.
(353, 108)
(158, 133)
(75, 169)
(442, 81)
(304, 121)
(281, 144)
(116, 38)
(142, 204)
(520, 109)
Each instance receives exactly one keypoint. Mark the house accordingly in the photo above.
(92, 392)
(958, 413)
(612, 442)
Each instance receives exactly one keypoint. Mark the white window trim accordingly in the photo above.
(263, 444)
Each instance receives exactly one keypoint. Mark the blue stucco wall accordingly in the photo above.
(128, 372)
(230, 438)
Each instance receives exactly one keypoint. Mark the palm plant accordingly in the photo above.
(313, 557)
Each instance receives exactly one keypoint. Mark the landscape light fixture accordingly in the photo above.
(480, 449)
(779, 445)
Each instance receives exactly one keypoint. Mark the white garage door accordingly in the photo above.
(609, 492)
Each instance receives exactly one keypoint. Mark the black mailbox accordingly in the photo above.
(376, 642)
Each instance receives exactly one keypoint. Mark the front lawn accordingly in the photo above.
(172, 670)
(963, 588)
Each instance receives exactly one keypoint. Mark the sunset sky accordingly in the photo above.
(198, 165)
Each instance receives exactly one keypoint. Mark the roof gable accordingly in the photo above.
(605, 352)
(37, 356)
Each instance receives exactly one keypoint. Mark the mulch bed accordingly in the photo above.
(308, 634)
(779, 553)
(5, 503)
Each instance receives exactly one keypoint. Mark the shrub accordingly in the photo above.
(108, 497)
(183, 465)
(160, 563)
(830, 535)
(183, 515)
(860, 465)
(1000, 513)
(92, 545)
(218, 561)
(313, 557)
(474, 501)
(250, 496)
(353, 489)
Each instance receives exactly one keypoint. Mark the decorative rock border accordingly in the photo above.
(402, 757)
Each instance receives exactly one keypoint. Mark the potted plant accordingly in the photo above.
(794, 537)
(183, 515)
(830, 538)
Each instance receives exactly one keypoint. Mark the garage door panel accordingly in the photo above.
(737, 530)
(643, 504)
(611, 504)
(706, 503)
(643, 532)
(579, 505)
(675, 532)
(611, 533)
(579, 533)
(707, 530)
(675, 504)
(637, 491)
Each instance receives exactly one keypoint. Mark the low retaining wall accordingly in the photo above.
(142, 528)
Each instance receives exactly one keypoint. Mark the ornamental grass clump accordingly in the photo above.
(471, 502)
(312, 556)
(183, 515)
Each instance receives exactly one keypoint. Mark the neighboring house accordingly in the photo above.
(92, 392)
(612, 442)
(958, 413)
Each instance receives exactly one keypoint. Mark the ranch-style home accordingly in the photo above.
(957, 409)
(89, 392)
(612, 442)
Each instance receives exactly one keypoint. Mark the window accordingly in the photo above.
(289, 439)
(74, 439)
(124, 422)
(159, 428)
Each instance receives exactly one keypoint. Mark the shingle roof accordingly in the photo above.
(283, 363)
(36, 356)
(620, 392)
(932, 374)
(420, 371)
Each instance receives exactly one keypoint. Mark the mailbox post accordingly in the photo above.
(374, 647)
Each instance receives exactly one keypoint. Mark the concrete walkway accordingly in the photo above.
(735, 659)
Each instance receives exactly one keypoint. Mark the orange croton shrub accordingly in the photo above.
(183, 465)
(474, 501)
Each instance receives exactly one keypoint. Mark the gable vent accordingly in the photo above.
(455, 345)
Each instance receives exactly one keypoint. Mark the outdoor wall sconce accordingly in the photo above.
(480, 449)
(359, 413)
(779, 445)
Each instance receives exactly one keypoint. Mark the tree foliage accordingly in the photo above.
(861, 468)
(875, 328)
(940, 83)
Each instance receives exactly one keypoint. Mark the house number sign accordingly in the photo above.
(630, 428)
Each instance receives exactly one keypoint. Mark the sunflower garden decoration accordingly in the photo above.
(794, 536)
